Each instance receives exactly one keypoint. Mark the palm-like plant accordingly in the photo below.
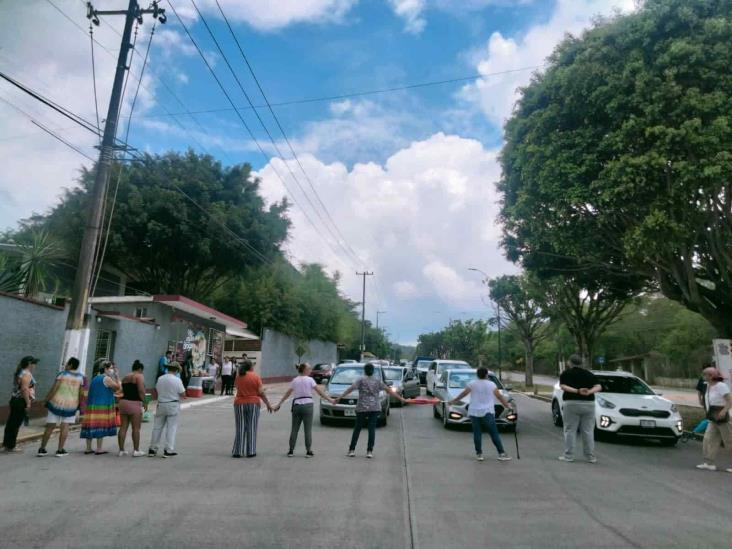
(39, 258)
(10, 276)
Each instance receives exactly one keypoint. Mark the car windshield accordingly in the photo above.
(624, 385)
(461, 379)
(349, 375)
(393, 374)
(441, 367)
(424, 363)
(319, 367)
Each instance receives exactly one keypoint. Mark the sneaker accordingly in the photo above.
(42, 452)
(122, 453)
(167, 454)
(248, 455)
(152, 453)
(351, 453)
(61, 453)
(479, 457)
(706, 467)
(504, 457)
(137, 454)
(592, 459)
(567, 459)
(290, 454)
(369, 455)
(309, 454)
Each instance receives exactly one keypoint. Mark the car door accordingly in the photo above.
(431, 374)
(410, 384)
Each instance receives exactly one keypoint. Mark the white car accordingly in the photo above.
(452, 383)
(628, 407)
(437, 367)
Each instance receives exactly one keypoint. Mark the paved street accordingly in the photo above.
(638, 495)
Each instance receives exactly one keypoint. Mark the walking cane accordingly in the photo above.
(513, 416)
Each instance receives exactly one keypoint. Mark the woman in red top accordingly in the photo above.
(249, 393)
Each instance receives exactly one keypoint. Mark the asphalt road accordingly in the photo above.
(423, 489)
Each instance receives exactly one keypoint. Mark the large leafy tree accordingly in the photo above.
(461, 340)
(617, 157)
(520, 298)
(167, 242)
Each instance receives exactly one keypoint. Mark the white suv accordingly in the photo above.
(628, 407)
(437, 367)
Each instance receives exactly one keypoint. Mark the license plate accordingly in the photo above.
(349, 413)
(648, 423)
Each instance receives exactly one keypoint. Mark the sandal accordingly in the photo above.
(87, 452)
(101, 453)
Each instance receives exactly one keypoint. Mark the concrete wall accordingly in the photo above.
(29, 328)
(278, 355)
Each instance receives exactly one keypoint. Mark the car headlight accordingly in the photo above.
(605, 422)
(605, 403)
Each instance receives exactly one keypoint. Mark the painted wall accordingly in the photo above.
(278, 357)
(29, 328)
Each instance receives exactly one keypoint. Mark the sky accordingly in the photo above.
(400, 183)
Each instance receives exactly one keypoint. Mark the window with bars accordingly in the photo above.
(104, 347)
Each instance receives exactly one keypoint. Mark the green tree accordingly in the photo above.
(518, 296)
(618, 155)
(164, 242)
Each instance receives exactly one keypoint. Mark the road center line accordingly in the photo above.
(408, 484)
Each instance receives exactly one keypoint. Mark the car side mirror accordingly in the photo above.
(390, 383)
(508, 387)
(659, 393)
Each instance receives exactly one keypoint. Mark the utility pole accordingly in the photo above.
(500, 354)
(363, 312)
(378, 314)
(76, 336)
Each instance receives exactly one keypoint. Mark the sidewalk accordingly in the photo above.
(34, 431)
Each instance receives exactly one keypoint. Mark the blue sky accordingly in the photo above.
(408, 176)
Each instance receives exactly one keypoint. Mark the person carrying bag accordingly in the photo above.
(718, 402)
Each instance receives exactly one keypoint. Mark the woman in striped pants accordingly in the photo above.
(249, 395)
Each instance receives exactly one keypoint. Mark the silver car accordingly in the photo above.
(452, 382)
(404, 382)
(344, 410)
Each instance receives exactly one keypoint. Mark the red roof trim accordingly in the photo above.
(201, 307)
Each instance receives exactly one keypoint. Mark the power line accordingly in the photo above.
(243, 122)
(325, 98)
(338, 232)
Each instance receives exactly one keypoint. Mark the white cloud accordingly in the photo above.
(411, 12)
(496, 95)
(269, 16)
(419, 220)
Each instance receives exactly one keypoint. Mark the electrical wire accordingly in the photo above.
(244, 123)
(338, 233)
(266, 130)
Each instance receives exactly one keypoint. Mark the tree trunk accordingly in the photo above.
(529, 373)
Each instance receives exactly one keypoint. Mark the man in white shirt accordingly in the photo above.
(170, 392)
(483, 394)
(227, 378)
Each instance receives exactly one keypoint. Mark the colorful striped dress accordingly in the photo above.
(99, 416)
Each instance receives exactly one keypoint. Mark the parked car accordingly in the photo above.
(322, 372)
(452, 382)
(628, 407)
(437, 367)
(343, 376)
(421, 365)
(404, 381)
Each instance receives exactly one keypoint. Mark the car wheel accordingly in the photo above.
(445, 424)
(324, 421)
(434, 412)
(426, 390)
(557, 414)
(511, 428)
(668, 442)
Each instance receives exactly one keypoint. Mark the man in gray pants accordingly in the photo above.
(578, 409)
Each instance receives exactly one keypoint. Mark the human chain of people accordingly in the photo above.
(111, 406)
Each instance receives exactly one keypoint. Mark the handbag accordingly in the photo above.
(713, 412)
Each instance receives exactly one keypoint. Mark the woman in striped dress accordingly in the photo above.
(100, 418)
(249, 395)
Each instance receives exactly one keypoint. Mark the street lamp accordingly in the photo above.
(497, 319)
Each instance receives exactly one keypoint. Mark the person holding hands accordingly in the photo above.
(482, 411)
(301, 390)
(579, 386)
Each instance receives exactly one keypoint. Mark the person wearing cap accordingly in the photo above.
(579, 386)
(170, 392)
(717, 402)
(21, 398)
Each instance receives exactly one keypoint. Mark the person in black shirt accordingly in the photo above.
(578, 409)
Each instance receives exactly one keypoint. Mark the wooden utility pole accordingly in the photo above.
(76, 336)
(363, 313)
